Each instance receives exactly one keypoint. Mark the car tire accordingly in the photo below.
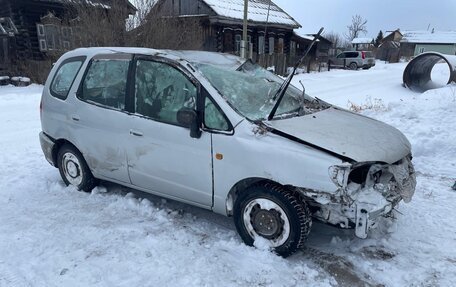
(353, 66)
(274, 213)
(74, 170)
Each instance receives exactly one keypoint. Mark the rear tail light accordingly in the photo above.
(41, 107)
(363, 55)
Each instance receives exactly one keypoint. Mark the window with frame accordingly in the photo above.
(213, 117)
(106, 83)
(43, 46)
(261, 45)
(292, 48)
(271, 45)
(280, 46)
(40, 29)
(161, 90)
(237, 43)
(52, 36)
(64, 77)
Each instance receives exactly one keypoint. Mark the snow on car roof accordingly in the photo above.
(437, 37)
(257, 11)
(228, 61)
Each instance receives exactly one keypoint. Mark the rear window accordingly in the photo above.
(352, 54)
(64, 77)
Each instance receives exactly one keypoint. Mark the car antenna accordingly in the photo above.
(281, 91)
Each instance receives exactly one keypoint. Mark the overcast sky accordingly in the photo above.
(335, 15)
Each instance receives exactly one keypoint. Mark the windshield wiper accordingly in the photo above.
(283, 88)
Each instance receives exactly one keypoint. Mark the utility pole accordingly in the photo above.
(244, 44)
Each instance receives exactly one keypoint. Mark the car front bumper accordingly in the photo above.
(361, 206)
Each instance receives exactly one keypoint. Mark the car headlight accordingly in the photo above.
(339, 174)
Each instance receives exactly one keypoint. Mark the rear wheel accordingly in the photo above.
(353, 66)
(273, 214)
(74, 170)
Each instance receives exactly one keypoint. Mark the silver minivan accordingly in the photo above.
(194, 127)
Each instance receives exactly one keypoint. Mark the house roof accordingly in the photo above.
(305, 36)
(105, 4)
(432, 37)
(257, 11)
(362, 41)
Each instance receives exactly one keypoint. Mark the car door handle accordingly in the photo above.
(75, 118)
(136, 133)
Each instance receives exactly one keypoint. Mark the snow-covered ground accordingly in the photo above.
(51, 235)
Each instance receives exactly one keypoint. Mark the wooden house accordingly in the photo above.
(414, 43)
(389, 48)
(407, 44)
(216, 25)
(30, 30)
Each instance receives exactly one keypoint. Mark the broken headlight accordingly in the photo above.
(339, 174)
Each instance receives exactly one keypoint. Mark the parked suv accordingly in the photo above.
(193, 126)
(353, 60)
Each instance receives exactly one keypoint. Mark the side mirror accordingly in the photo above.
(189, 119)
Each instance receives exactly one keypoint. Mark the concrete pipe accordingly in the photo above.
(417, 74)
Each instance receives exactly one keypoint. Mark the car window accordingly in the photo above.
(105, 83)
(213, 117)
(352, 55)
(161, 91)
(64, 78)
(341, 55)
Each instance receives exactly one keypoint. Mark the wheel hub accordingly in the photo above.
(72, 169)
(267, 223)
(265, 218)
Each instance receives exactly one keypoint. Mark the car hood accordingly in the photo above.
(347, 134)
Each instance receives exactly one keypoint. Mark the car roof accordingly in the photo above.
(228, 61)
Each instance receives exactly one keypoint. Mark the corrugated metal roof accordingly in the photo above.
(105, 4)
(257, 11)
(432, 37)
(305, 36)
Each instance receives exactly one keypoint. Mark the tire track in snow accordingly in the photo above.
(10, 278)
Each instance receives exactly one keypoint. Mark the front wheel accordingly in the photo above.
(274, 214)
(73, 169)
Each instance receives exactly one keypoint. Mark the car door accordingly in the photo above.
(340, 59)
(99, 121)
(162, 157)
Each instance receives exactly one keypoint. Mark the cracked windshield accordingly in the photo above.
(252, 92)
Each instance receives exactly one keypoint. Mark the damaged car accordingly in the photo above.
(221, 133)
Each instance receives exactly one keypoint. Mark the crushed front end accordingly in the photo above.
(366, 191)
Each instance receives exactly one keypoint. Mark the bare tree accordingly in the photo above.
(337, 40)
(157, 29)
(96, 25)
(143, 8)
(357, 26)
